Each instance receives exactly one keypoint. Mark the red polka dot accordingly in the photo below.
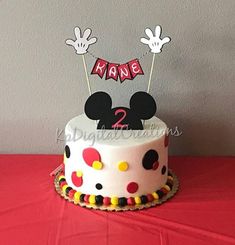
(131, 201)
(77, 181)
(155, 165)
(86, 198)
(71, 193)
(150, 197)
(132, 187)
(106, 200)
(166, 141)
(90, 155)
(63, 183)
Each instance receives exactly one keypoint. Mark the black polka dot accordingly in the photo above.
(122, 201)
(149, 159)
(67, 190)
(98, 186)
(160, 193)
(81, 198)
(144, 199)
(99, 200)
(164, 169)
(62, 180)
(67, 151)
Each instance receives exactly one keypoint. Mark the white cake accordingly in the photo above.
(115, 163)
(116, 158)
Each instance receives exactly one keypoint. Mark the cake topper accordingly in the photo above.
(81, 46)
(82, 43)
(155, 44)
(125, 71)
(99, 105)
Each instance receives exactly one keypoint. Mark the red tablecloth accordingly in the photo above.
(202, 212)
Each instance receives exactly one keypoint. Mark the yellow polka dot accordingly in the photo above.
(155, 195)
(79, 173)
(76, 196)
(97, 165)
(123, 166)
(114, 200)
(61, 177)
(92, 199)
(137, 200)
(167, 187)
(64, 188)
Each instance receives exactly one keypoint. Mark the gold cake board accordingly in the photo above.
(169, 195)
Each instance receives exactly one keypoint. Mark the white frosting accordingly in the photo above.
(115, 146)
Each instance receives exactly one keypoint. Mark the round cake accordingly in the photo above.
(116, 157)
(115, 168)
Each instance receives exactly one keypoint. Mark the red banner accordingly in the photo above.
(99, 67)
(135, 68)
(124, 72)
(114, 71)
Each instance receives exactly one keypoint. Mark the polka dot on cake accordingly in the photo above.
(137, 200)
(150, 160)
(91, 155)
(77, 178)
(98, 186)
(106, 201)
(130, 201)
(164, 169)
(122, 166)
(92, 199)
(71, 193)
(64, 188)
(144, 199)
(150, 197)
(76, 196)
(86, 198)
(122, 201)
(132, 187)
(114, 200)
(160, 193)
(155, 165)
(97, 165)
(61, 180)
(81, 198)
(99, 200)
(67, 151)
(68, 189)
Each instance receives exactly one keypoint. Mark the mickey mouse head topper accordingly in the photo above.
(99, 105)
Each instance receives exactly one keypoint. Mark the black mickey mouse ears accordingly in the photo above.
(97, 105)
(143, 105)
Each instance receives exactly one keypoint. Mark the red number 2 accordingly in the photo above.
(119, 124)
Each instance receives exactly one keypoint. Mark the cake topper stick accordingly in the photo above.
(155, 44)
(81, 45)
(87, 78)
(150, 74)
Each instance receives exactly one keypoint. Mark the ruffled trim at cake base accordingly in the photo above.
(117, 203)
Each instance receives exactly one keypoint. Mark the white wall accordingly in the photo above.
(43, 83)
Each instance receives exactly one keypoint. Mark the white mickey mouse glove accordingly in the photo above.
(154, 42)
(82, 43)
